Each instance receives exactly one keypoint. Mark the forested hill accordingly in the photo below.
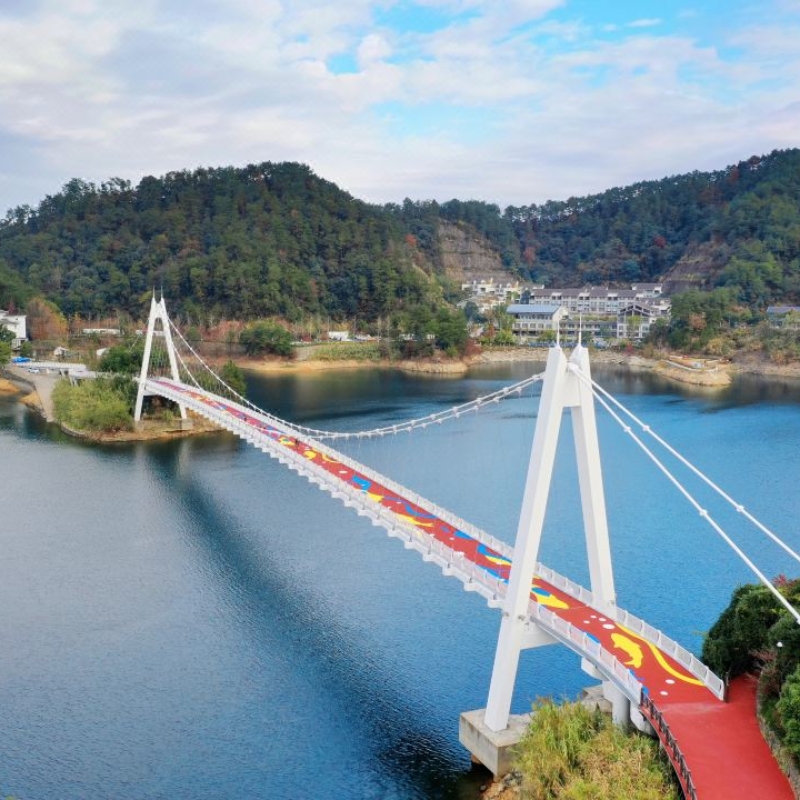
(736, 227)
(269, 239)
(276, 239)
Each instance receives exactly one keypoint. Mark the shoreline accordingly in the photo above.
(703, 374)
(714, 373)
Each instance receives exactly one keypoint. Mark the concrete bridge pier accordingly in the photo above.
(620, 704)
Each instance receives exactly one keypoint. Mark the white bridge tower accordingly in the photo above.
(487, 733)
(158, 313)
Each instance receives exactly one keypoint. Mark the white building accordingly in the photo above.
(635, 320)
(595, 299)
(531, 320)
(488, 293)
(595, 312)
(17, 324)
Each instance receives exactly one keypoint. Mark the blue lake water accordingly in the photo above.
(191, 620)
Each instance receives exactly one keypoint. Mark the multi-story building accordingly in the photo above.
(599, 312)
(487, 293)
(531, 320)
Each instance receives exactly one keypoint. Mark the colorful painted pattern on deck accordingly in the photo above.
(719, 741)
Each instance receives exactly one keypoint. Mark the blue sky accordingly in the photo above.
(514, 102)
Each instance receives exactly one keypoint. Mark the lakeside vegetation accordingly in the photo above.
(570, 752)
(103, 404)
(756, 634)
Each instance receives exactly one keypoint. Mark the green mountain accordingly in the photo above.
(269, 239)
(737, 227)
(276, 239)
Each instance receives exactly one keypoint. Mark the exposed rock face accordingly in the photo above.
(466, 255)
(697, 268)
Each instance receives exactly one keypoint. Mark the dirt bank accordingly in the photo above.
(712, 373)
(147, 430)
(7, 387)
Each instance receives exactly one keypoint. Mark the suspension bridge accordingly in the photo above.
(708, 729)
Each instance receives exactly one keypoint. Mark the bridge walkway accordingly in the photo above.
(715, 746)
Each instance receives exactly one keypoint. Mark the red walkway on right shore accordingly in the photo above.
(724, 747)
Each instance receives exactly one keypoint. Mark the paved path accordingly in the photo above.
(42, 384)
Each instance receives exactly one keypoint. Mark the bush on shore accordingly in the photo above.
(103, 404)
(573, 753)
(755, 633)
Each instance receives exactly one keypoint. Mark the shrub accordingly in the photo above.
(266, 337)
(788, 708)
(572, 753)
(741, 631)
(125, 359)
(99, 405)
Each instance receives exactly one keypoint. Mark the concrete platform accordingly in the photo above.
(491, 748)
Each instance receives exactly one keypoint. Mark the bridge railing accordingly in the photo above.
(682, 656)
(473, 577)
(580, 593)
(671, 747)
(585, 645)
(669, 646)
(499, 546)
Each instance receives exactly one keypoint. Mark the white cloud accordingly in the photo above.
(373, 48)
(645, 23)
(513, 103)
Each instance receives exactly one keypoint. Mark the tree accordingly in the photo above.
(45, 320)
(266, 337)
(234, 377)
(741, 631)
(450, 331)
(125, 359)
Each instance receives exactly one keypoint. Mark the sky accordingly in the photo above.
(513, 102)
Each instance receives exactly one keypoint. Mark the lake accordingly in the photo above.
(189, 619)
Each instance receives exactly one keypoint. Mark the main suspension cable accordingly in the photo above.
(401, 427)
(738, 507)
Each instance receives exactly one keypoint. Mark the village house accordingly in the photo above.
(17, 324)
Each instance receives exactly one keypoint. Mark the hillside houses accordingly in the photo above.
(486, 293)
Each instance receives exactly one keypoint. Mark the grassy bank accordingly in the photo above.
(571, 752)
(93, 406)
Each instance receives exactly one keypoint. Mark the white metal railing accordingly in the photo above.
(574, 590)
(588, 647)
(669, 646)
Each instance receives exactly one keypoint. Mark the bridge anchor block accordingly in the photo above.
(491, 748)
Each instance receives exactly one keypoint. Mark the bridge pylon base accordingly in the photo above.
(488, 747)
